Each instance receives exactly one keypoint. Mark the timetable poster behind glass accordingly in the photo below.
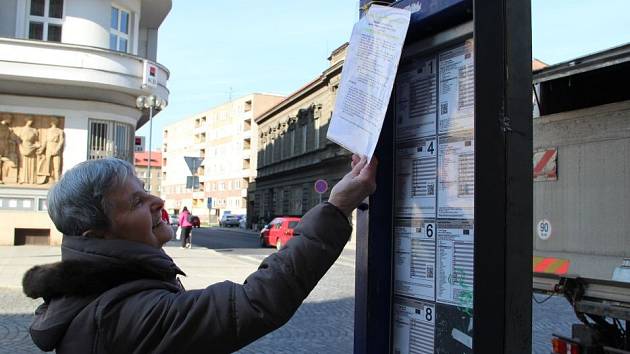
(434, 203)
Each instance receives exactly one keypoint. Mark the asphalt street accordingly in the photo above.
(227, 238)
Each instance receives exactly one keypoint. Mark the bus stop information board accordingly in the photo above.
(434, 203)
(444, 250)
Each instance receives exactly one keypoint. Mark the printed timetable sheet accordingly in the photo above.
(416, 173)
(434, 214)
(415, 257)
(367, 78)
(457, 89)
(416, 97)
(455, 262)
(414, 326)
(456, 176)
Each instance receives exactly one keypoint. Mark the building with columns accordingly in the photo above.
(223, 138)
(293, 152)
(70, 74)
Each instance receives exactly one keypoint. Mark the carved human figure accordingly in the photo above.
(50, 163)
(5, 141)
(29, 143)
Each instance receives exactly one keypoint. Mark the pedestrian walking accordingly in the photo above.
(116, 290)
(185, 222)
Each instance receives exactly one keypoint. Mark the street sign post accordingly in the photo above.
(444, 250)
(193, 163)
(192, 182)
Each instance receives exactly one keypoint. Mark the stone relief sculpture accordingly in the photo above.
(31, 149)
(8, 158)
(29, 145)
(49, 168)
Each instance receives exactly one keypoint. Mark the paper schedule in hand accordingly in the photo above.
(367, 79)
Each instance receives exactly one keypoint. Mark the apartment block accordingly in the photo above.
(222, 140)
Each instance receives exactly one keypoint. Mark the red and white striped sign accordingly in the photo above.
(545, 165)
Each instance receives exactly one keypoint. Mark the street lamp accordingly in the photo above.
(151, 103)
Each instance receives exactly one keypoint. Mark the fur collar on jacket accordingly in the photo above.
(92, 266)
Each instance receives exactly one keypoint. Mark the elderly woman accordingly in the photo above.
(116, 291)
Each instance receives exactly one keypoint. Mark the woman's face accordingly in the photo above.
(136, 215)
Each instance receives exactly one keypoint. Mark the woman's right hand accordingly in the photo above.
(355, 186)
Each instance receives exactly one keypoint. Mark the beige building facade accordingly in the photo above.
(223, 140)
(293, 152)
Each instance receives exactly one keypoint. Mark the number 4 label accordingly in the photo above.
(429, 149)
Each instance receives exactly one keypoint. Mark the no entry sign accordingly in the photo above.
(321, 186)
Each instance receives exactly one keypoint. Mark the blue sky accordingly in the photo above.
(221, 49)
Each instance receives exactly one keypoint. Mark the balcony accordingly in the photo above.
(48, 69)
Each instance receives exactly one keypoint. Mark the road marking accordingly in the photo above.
(346, 261)
(257, 259)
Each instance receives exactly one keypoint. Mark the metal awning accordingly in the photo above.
(606, 58)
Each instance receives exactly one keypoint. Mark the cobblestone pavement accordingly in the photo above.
(15, 317)
(323, 324)
(555, 315)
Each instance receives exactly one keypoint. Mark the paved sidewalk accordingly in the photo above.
(201, 265)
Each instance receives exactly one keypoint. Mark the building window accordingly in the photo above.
(119, 30)
(45, 20)
(110, 139)
(248, 106)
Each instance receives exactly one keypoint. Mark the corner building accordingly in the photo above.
(70, 73)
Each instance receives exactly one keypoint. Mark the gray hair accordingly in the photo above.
(77, 204)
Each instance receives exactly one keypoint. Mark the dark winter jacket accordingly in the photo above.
(110, 296)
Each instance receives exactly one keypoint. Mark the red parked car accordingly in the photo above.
(279, 231)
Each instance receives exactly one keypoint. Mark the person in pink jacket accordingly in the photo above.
(186, 227)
